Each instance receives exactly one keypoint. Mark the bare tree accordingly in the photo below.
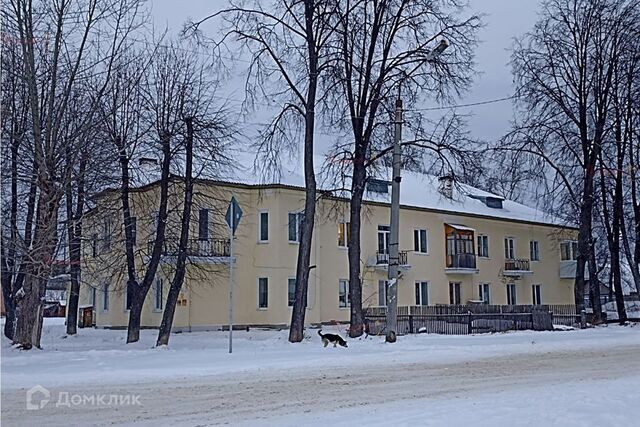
(205, 135)
(564, 72)
(287, 42)
(64, 46)
(381, 45)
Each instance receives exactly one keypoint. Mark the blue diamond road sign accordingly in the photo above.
(237, 214)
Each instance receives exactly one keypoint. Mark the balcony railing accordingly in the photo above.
(461, 261)
(383, 258)
(196, 247)
(517, 265)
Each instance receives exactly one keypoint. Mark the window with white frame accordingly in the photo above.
(157, 302)
(483, 293)
(107, 230)
(263, 226)
(203, 224)
(454, 293)
(263, 292)
(509, 248)
(343, 234)
(534, 250)
(483, 246)
(382, 292)
(422, 293)
(511, 294)
(536, 294)
(291, 291)
(344, 300)
(569, 250)
(296, 220)
(420, 242)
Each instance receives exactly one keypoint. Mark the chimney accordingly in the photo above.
(446, 186)
(149, 169)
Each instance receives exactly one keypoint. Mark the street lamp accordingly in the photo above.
(394, 261)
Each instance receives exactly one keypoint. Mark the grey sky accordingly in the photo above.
(505, 19)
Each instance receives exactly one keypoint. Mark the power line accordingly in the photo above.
(473, 104)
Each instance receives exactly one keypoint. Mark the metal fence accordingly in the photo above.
(472, 319)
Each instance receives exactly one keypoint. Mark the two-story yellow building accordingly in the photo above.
(458, 244)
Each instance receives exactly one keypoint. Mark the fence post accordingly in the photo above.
(470, 322)
(411, 323)
(583, 319)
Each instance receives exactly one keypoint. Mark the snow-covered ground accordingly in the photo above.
(581, 377)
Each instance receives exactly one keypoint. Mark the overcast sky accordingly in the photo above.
(505, 19)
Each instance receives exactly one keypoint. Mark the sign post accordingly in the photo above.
(233, 215)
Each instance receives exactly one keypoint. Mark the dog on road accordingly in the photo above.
(332, 339)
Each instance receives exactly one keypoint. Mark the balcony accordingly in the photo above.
(381, 261)
(211, 251)
(516, 267)
(461, 264)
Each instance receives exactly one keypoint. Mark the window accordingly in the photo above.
(536, 293)
(106, 234)
(511, 294)
(263, 227)
(203, 224)
(263, 292)
(105, 296)
(509, 248)
(296, 220)
(128, 300)
(158, 295)
(382, 292)
(383, 239)
(94, 245)
(93, 298)
(483, 293)
(483, 246)
(343, 234)
(422, 293)
(454, 293)
(343, 293)
(534, 250)
(568, 250)
(291, 294)
(420, 241)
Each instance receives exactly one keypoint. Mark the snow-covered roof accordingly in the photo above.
(417, 190)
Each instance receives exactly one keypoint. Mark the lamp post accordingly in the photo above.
(394, 259)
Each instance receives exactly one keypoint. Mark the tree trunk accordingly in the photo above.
(74, 233)
(30, 297)
(584, 237)
(140, 290)
(178, 278)
(296, 331)
(6, 277)
(356, 327)
(594, 286)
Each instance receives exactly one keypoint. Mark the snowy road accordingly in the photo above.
(549, 388)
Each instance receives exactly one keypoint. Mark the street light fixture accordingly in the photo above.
(392, 288)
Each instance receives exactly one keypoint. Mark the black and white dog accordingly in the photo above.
(332, 338)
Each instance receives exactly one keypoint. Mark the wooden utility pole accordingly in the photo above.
(394, 260)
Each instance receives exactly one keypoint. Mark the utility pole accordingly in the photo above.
(394, 258)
